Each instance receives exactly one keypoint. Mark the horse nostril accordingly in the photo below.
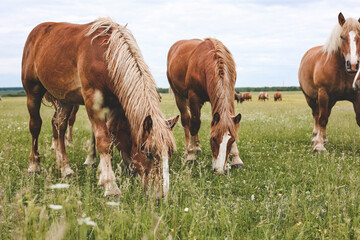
(348, 65)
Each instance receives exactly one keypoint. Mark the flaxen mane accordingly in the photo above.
(333, 43)
(222, 97)
(134, 84)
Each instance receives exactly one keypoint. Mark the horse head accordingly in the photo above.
(222, 136)
(152, 163)
(350, 42)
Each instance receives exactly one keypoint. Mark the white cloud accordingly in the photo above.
(260, 34)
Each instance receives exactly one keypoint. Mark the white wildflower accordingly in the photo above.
(59, 186)
(87, 221)
(186, 209)
(252, 197)
(112, 203)
(55, 207)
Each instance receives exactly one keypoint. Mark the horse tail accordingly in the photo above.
(48, 100)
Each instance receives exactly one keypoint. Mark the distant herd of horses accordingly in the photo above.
(100, 65)
(241, 97)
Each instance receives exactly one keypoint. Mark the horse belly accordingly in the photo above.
(66, 89)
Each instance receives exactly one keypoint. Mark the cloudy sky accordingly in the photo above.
(266, 37)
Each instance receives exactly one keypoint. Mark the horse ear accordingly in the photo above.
(147, 124)
(172, 122)
(341, 19)
(216, 119)
(237, 118)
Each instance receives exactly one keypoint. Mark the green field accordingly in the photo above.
(284, 190)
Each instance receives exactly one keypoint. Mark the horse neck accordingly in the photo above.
(222, 101)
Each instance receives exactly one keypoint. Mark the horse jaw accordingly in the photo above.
(218, 164)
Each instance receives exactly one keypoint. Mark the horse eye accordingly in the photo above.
(213, 139)
(342, 37)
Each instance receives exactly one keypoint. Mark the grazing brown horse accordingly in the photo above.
(326, 75)
(263, 96)
(122, 139)
(200, 71)
(98, 64)
(247, 96)
(277, 96)
(239, 97)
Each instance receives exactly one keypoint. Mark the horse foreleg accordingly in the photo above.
(59, 122)
(235, 160)
(324, 112)
(33, 104)
(97, 114)
(356, 105)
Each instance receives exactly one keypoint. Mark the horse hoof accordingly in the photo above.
(190, 157)
(67, 173)
(112, 191)
(33, 169)
(190, 162)
(217, 172)
(319, 148)
(237, 165)
(93, 165)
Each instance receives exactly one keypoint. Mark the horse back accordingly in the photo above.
(177, 64)
(52, 54)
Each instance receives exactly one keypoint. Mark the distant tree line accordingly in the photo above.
(252, 89)
(20, 92)
(268, 89)
(12, 92)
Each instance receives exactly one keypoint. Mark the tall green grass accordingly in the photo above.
(284, 190)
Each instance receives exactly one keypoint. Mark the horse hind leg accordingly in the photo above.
(197, 144)
(34, 97)
(91, 157)
(71, 122)
(195, 122)
(59, 122)
(185, 122)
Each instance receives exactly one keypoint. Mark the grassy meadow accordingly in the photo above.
(284, 190)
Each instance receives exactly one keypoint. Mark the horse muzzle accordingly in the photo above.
(352, 67)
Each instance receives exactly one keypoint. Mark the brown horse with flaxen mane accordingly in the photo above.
(326, 75)
(100, 65)
(200, 71)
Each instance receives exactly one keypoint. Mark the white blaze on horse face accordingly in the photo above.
(165, 172)
(353, 51)
(219, 163)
